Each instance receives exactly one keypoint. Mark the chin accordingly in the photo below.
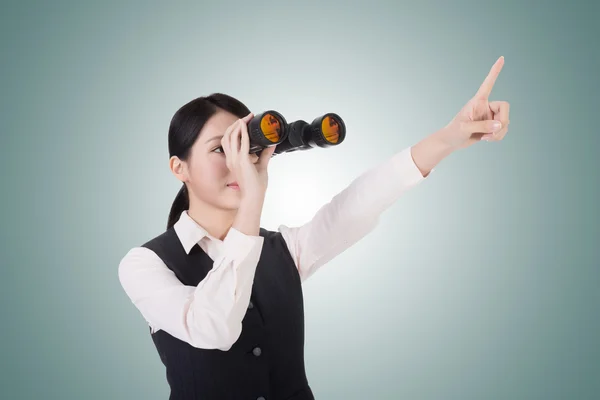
(230, 202)
(232, 207)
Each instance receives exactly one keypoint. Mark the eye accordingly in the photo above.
(221, 148)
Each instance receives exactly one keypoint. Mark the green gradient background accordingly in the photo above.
(481, 283)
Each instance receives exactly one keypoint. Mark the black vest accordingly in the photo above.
(267, 361)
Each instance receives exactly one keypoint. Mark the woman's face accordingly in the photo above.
(207, 170)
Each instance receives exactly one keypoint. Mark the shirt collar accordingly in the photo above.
(188, 231)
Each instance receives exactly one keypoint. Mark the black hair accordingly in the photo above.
(184, 130)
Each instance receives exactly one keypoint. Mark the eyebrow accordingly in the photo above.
(213, 138)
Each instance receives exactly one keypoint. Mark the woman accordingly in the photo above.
(222, 296)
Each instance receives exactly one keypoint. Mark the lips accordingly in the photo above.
(233, 184)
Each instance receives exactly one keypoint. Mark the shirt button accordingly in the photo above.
(250, 305)
(257, 351)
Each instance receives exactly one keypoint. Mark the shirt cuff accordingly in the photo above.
(404, 165)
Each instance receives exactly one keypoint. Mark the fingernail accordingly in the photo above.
(496, 126)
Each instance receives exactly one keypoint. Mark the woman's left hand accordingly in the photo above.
(475, 121)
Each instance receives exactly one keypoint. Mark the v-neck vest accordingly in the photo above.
(267, 360)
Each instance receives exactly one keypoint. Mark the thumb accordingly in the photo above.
(487, 126)
(265, 156)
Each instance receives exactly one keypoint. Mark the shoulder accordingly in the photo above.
(138, 258)
(145, 256)
(279, 242)
(165, 239)
(271, 238)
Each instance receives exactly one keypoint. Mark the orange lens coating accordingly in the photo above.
(331, 129)
(271, 127)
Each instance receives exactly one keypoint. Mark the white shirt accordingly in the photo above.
(210, 315)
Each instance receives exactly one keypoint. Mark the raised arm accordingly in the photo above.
(350, 214)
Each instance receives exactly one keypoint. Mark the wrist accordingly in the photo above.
(247, 219)
(430, 151)
(442, 144)
(253, 198)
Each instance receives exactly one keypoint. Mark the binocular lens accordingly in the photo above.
(271, 127)
(327, 130)
(331, 129)
(266, 129)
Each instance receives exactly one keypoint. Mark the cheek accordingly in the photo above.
(210, 173)
(218, 166)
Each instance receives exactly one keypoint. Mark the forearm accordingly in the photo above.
(352, 213)
(429, 152)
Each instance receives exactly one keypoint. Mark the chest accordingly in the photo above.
(276, 289)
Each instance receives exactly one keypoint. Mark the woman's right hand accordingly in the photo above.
(250, 171)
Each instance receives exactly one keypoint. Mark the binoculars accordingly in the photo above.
(270, 128)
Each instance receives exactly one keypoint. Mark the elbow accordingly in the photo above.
(212, 333)
(230, 335)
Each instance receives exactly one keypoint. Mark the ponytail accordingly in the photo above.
(180, 204)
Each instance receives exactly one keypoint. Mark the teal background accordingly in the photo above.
(480, 283)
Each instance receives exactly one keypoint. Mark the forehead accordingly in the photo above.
(217, 125)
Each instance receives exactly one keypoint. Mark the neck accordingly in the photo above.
(214, 220)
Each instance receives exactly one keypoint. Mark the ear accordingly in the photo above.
(179, 168)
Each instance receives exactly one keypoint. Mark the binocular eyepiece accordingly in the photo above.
(270, 128)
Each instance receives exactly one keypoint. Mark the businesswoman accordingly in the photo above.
(223, 296)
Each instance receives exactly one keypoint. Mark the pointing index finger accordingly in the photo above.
(486, 87)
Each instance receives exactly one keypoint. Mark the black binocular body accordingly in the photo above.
(270, 128)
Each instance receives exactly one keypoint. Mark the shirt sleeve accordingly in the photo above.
(206, 316)
(351, 214)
